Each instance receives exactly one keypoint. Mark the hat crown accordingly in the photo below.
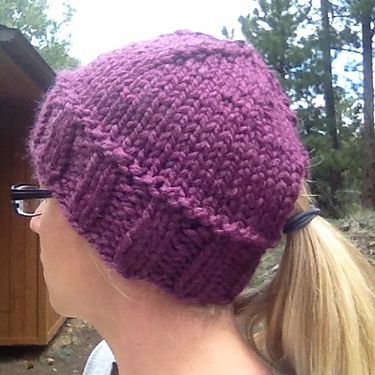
(177, 158)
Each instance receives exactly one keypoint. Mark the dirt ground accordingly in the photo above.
(68, 352)
(360, 228)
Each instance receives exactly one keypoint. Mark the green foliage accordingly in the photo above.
(287, 34)
(359, 7)
(30, 17)
(272, 29)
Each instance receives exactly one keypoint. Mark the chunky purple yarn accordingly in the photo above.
(178, 159)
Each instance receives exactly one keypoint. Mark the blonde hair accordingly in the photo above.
(317, 316)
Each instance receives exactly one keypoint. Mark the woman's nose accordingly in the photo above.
(35, 224)
(35, 220)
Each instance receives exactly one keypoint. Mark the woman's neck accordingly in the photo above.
(152, 333)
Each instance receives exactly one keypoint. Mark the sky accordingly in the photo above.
(101, 26)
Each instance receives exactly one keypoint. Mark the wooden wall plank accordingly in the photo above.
(17, 232)
(43, 302)
(5, 212)
(24, 317)
(31, 245)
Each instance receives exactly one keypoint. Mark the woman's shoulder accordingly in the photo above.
(101, 361)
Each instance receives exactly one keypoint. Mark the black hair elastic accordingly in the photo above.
(300, 220)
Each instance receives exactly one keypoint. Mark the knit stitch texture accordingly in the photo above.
(178, 159)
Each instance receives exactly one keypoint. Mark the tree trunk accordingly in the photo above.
(329, 96)
(329, 99)
(368, 138)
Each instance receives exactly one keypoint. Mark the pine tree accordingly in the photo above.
(300, 42)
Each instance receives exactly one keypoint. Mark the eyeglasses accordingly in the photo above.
(27, 198)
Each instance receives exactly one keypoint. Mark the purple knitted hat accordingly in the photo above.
(178, 159)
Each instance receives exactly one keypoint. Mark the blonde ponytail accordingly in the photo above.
(317, 316)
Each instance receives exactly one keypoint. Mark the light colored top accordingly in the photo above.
(100, 361)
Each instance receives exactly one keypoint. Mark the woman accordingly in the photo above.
(172, 166)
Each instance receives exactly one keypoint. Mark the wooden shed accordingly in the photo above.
(26, 317)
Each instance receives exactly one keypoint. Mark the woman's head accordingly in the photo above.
(177, 159)
(177, 162)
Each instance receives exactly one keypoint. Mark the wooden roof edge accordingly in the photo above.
(25, 55)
